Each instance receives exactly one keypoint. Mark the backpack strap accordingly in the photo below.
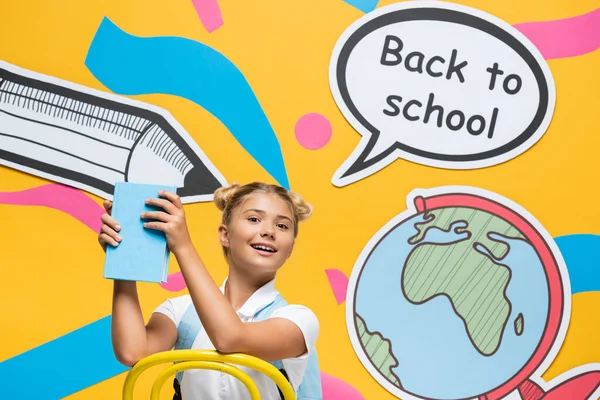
(177, 389)
(187, 331)
(188, 328)
(310, 388)
(264, 314)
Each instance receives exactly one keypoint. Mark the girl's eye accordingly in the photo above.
(253, 219)
(282, 226)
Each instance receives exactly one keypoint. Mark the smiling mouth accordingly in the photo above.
(264, 248)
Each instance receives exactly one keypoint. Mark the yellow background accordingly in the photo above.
(52, 265)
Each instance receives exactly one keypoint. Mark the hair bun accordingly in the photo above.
(223, 194)
(302, 209)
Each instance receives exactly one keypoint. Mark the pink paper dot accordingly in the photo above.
(313, 131)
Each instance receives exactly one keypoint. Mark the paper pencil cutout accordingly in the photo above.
(90, 139)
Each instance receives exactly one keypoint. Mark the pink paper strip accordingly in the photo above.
(565, 37)
(63, 198)
(209, 13)
(336, 389)
(339, 283)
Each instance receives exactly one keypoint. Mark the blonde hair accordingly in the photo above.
(228, 198)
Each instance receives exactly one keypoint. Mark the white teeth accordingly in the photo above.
(259, 247)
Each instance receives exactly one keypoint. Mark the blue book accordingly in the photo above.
(143, 254)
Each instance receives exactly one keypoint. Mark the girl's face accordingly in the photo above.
(260, 235)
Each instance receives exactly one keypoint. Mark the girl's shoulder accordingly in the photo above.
(180, 301)
(299, 310)
(175, 307)
(303, 317)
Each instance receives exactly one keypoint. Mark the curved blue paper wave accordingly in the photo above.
(581, 253)
(132, 65)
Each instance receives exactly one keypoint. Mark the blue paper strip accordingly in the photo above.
(63, 366)
(132, 65)
(581, 253)
(363, 5)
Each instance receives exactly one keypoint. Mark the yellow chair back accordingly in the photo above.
(206, 359)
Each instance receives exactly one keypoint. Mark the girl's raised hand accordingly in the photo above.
(110, 227)
(171, 221)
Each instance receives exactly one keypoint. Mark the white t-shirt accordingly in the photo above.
(214, 385)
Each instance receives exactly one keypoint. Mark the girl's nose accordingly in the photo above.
(267, 230)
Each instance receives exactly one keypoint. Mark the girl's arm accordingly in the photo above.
(131, 339)
(273, 339)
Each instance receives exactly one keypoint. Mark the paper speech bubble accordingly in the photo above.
(438, 84)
